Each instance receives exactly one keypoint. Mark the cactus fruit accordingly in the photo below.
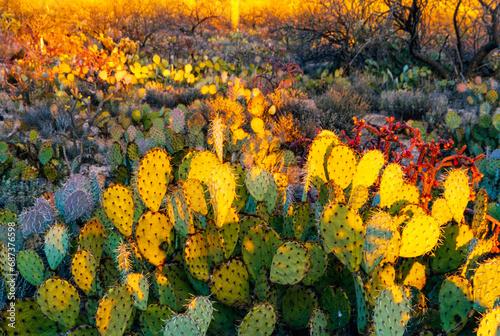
(336, 304)
(139, 286)
(486, 284)
(258, 248)
(114, 311)
(152, 319)
(379, 232)
(181, 325)
(153, 177)
(454, 302)
(196, 257)
(222, 185)
(92, 238)
(490, 323)
(30, 265)
(200, 309)
(56, 245)
(298, 304)
(59, 301)
(318, 323)
(419, 236)
(84, 271)
(392, 311)
(457, 192)
(229, 284)
(195, 196)
(259, 321)
(319, 263)
(341, 165)
(154, 236)
(290, 263)
(342, 231)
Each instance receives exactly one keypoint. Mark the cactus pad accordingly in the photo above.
(202, 165)
(153, 177)
(60, 301)
(258, 248)
(92, 238)
(139, 286)
(34, 322)
(392, 312)
(195, 195)
(490, 323)
(119, 205)
(390, 183)
(115, 309)
(318, 151)
(336, 303)
(451, 254)
(342, 231)
(479, 222)
(181, 325)
(84, 271)
(341, 165)
(230, 284)
(290, 263)
(457, 192)
(200, 309)
(419, 236)
(152, 319)
(259, 321)
(486, 284)
(222, 186)
(56, 245)
(30, 265)
(319, 263)
(379, 232)
(154, 236)
(298, 304)
(196, 256)
(257, 181)
(454, 302)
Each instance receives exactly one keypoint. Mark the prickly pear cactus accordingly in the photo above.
(152, 319)
(56, 245)
(457, 192)
(181, 325)
(196, 257)
(392, 312)
(297, 305)
(139, 286)
(290, 263)
(119, 205)
(490, 323)
(229, 284)
(200, 309)
(222, 186)
(84, 271)
(115, 310)
(92, 238)
(30, 265)
(454, 302)
(486, 284)
(380, 230)
(153, 177)
(258, 248)
(341, 165)
(420, 236)
(368, 168)
(154, 236)
(259, 321)
(59, 301)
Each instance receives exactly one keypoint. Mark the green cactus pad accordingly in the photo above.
(258, 248)
(230, 232)
(84, 330)
(361, 303)
(479, 223)
(486, 284)
(114, 312)
(92, 238)
(31, 267)
(290, 264)
(154, 236)
(222, 185)
(178, 211)
(200, 309)
(179, 282)
(490, 323)
(56, 245)
(257, 181)
(419, 236)
(452, 253)
(59, 301)
(454, 302)
(153, 319)
(296, 220)
(342, 231)
(379, 232)
(319, 263)
(153, 177)
(229, 284)
(119, 205)
(392, 312)
(196, 257)
(29, 320)
(318, 323)
(336, 303)
(181, 325)
(452, 119)
(214, 244)
(139, 286)
(271, 196)
(45, 154)
(259, 321)
(297, 305)
(84, 271)
(165, 291)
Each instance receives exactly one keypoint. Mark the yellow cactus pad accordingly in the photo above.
(419, 236)
(392, 253)
(368, 168)
(257, 125)
(441, 211)
(359, 196)
(153, 177)
(202, 165)
(408, 192)
(341, 165)
(281, 180)
(486, 280)
(119, 206)
(222, 186)
(479, 222)
(382, 278)
(490, 323)
(390, 184)
(92, 238)
(316, 173)
(416, 277)
(457, 192)
(193, 190)
(154, 236)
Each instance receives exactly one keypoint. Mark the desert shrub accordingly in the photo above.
(415, 105)
(170, 97)
(339, 107)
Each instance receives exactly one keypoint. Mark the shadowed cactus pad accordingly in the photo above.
(298, 304)
(34, 321)
(31, 267)
(139, 286)
(119, 205)
(152, 319)
(60, 301)
(230, 284)
(259, 321)
(454, 302)
(290, 264)
(258, 248)
(115, 309)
